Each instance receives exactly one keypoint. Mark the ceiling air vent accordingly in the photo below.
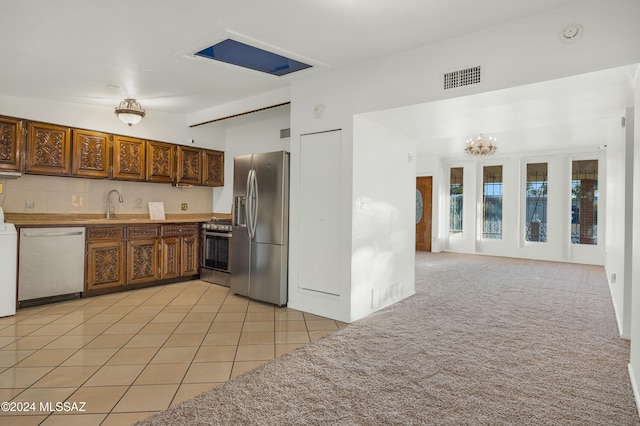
(462, 78)
(285, 133)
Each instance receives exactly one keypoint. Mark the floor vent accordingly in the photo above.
(461, 78)
(285, 133)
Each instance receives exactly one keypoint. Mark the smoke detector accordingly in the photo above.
(571, 33)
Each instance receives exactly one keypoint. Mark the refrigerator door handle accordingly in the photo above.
(247, 205)
(250, 205)
(254, 193)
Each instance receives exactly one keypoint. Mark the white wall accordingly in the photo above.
(383, 239)
(634, 364)
(254, 133)
(415, 76)
(619, 186)
(158, 126)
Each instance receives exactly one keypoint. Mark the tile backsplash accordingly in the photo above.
(50, 194)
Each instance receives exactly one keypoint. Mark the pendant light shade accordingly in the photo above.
(130, 111)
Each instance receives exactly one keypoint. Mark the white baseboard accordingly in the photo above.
(634, 386)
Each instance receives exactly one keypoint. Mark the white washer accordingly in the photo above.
(8, 267)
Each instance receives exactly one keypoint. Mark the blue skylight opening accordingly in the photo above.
(240, 54)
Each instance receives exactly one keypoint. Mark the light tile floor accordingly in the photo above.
(124, 356)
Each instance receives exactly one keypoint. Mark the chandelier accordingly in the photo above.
(130, 111)
(480, 146)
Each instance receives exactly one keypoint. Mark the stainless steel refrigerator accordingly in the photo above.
(259, 246)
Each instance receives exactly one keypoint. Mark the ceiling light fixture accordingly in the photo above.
(480, 147)
(130, 111)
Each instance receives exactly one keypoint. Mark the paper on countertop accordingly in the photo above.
(156, 210)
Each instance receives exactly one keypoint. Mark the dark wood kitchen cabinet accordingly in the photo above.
(189, 169)
(129, 158)
(180, 250)
(10, 144)
(48, 149)
(160, 162)
(105, 257)
(91, 154)
(213, 168)
(142, 254)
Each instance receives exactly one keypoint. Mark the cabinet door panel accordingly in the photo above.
(10, 144)
(48, 149)
(170, 257)
(128, 158)
(160, 162)
(189, 258)
(213, 168)
(142, 261)
(105, 264)
(189, 165)
(91, 154)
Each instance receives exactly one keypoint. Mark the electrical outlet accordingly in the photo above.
(138, 203)
(29, 206)
(184, 206)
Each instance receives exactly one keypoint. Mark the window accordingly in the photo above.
(492, 202)
(584, 202)
(536, 203)
(455, 201)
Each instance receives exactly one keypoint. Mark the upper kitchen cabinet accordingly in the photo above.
(128, 158)
(91, 154)
(10, 143)
(213, 170)
(189, 165)
(48, 149)
(160, 162)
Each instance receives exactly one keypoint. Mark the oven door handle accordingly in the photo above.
(218, 234)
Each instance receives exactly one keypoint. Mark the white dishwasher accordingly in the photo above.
(50, 265)
(8, 257)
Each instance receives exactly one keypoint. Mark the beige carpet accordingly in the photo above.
(486, 340)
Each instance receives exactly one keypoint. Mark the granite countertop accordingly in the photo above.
(55, 219)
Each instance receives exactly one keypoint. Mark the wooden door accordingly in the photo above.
(160, 162)
(10, 144)
(423, 213)
(91, 154)
(189, 169)
(213, 169)
(48, 149)
(128, 158)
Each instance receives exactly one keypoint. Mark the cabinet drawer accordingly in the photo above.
(105, 233)
(142, 231)
(180, 230)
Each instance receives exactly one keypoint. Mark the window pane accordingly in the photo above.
(455, 201)
(492, 202)
(584, 202)
(536, 203)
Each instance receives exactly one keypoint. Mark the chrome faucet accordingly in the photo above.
(109, 201)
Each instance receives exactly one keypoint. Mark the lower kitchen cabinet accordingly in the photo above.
(105, 257)
(170, 250)
(189, 250)
(142, 261)
(124, 257)
(180, 250)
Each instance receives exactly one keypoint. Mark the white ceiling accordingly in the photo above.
(78, 50)
(573, 112)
